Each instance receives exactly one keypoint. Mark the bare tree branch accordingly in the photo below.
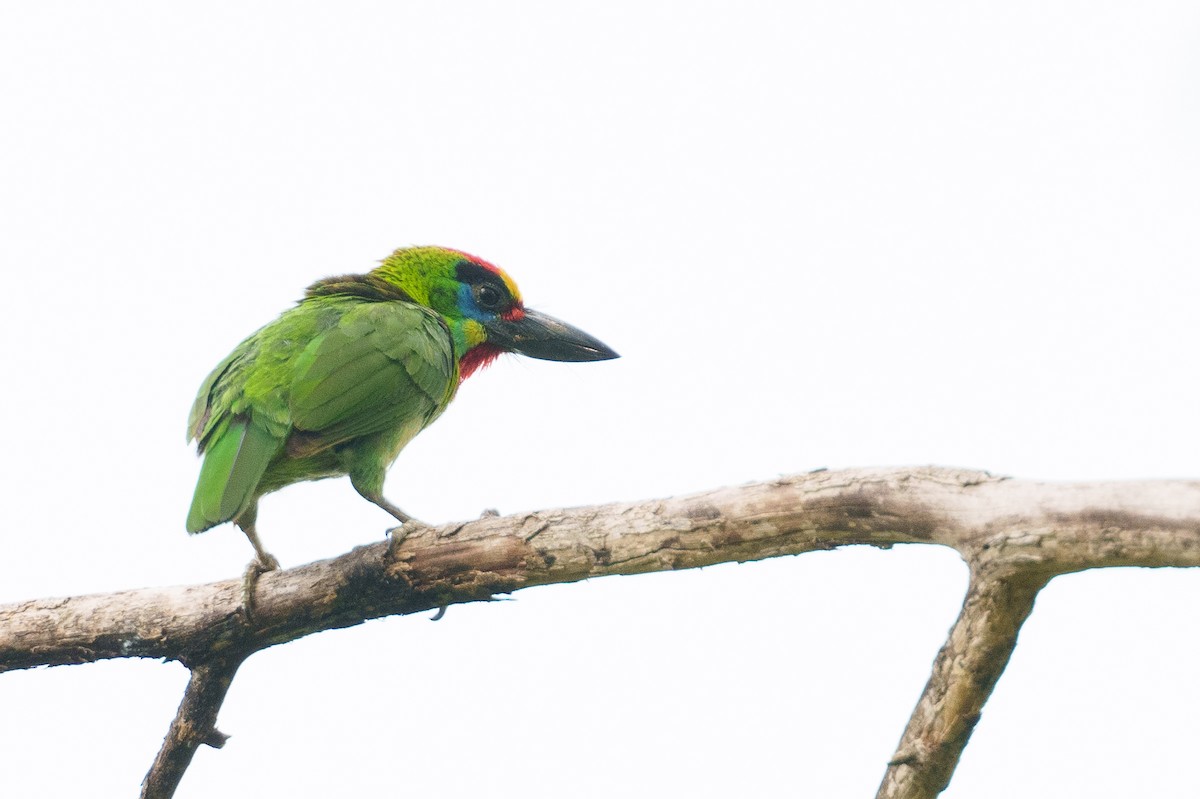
(1015, 535)
(964, 674)
(195, 724)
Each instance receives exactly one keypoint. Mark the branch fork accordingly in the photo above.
(1015, 536)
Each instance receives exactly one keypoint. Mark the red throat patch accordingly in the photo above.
(476, 358)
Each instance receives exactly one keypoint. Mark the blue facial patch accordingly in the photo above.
(466, 304)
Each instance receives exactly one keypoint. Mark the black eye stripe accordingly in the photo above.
(479, 278)
(467, 272)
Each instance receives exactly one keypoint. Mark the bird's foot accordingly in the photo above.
(398, 534)
(265, 562)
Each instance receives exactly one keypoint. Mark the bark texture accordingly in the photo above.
(1015, 535)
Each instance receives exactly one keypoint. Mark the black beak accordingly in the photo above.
(540, 336)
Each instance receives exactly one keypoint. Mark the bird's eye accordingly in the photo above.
(488, 297)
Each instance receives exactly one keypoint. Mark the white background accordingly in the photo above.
(821, 235)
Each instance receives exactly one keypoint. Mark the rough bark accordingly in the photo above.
(964, 674)
(1016, 535)
(195, 724)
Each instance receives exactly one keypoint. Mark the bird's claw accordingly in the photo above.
(263, 563)
(399, 534)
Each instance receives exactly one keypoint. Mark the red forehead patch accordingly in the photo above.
(475, 259)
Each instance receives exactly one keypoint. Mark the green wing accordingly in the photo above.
(385, 366)
(237, 437)
(322, 374)
(239, 419)
(201, 413)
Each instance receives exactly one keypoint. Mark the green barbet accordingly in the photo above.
(338, 384)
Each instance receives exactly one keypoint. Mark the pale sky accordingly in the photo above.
(824, 234)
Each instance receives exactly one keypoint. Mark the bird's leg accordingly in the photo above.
(263, 562)
(408, 525)
(369, 485)
(266, 561)
(400, 515)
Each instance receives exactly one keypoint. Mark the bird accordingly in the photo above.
(340, 382)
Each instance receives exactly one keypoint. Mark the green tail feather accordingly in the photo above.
(234, 464)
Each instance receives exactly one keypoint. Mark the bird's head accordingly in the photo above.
(483, 309)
